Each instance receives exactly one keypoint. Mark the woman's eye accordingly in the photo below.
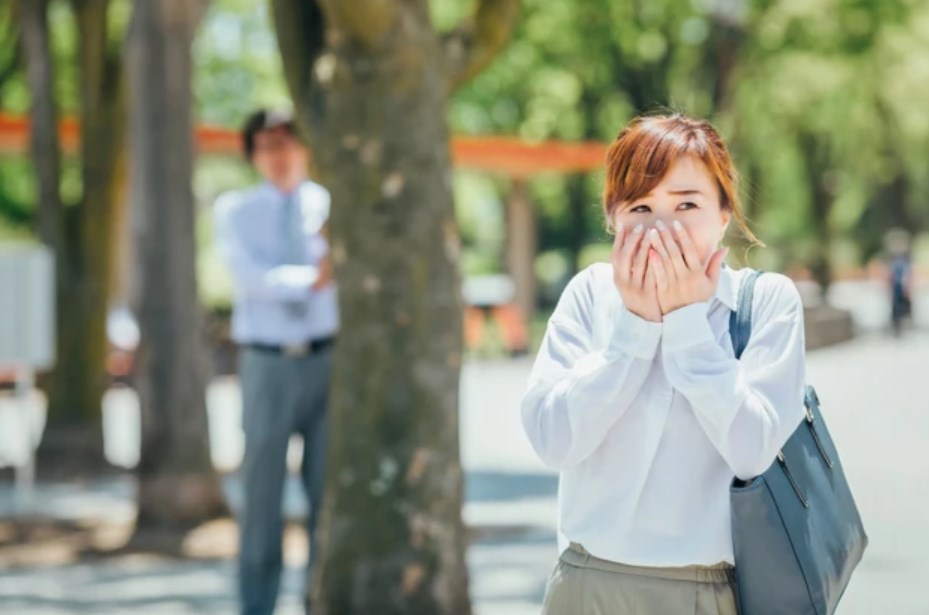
(640, 209)
(688, 205)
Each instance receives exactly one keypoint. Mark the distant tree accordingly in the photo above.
(178, 487)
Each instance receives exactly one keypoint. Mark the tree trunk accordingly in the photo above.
(178, 487)
(577, 219)
(373, 102)
(12, 46)
(522, 237)
(578, 196)
(43, 116)
(821, 197)
(393, 538)
(80, 236)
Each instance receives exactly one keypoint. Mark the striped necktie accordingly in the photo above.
(294, 245)
(292, 221)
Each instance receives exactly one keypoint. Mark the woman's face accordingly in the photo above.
(688, 194)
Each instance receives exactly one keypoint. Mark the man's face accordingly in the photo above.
(280, 157)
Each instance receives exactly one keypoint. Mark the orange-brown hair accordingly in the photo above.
(645, 150)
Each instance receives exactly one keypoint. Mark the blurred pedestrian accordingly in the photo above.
(900, 277)
(285, 319)
(637, 398)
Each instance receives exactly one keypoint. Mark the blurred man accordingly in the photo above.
(285, 319)
(897, 244)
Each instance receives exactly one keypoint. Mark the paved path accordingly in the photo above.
(874, 391)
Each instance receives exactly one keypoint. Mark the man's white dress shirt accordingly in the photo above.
(273, 245)
(648, 422)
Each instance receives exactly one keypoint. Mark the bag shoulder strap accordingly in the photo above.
(740, 321)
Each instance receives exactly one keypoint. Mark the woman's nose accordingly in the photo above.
(661, 222)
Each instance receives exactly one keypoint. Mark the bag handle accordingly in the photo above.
(740, 330)
(740, 321)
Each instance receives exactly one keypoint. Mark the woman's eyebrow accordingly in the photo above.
(685, 192)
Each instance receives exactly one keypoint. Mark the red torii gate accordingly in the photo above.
(502, 155)
(510, 157)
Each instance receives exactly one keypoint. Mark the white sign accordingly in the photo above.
(27, 307)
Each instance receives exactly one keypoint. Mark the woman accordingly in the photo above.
(636, 398)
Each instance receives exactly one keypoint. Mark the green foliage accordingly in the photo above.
(238, 67)
(844, 81)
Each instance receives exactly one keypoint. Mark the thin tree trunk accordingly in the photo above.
(178, 487)
(81, 236)
(577, 219)
(373, 101)
(578, 195)
(522, 246)
(821, 197)
(43, 116)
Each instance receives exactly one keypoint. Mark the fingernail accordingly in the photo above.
(638, 229)
(619, 227)
(660, 225)
(654, 233)
(678, 225)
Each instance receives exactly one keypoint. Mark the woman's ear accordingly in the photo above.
(726, 218)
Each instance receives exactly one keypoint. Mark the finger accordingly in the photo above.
(688, 249)
(716, 264)
(617, 241)
(620, 270)
(651, 283)
(658, 270)
(632, 244)
(662, 250)
(673, 249)
(640, 264)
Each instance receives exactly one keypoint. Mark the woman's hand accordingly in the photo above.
(680, 275)
(632, 276)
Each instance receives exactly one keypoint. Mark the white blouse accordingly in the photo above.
(648, 422)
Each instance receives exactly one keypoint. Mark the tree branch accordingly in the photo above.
(365, 21)
(474, 44)
(14, 62)
(12, 32)
(44, 145)
(300, 28)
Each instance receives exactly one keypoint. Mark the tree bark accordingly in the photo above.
(43, 116)
(522, 247)
(577, 220)
(373, 99)
(178, 487)
(578, 195)
(13, 46)
(81, 236)
(822, 195)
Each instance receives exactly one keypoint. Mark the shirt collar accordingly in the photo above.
(276, 193)
(727, 291)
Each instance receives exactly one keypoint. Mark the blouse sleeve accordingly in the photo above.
(577, 392)
(748, 407)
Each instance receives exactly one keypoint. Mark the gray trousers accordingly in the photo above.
(280, 396)
(586, 585)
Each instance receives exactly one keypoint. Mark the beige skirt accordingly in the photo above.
(585, 585)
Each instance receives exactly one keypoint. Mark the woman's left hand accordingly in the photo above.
(681, 277)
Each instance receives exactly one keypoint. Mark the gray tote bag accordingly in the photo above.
(796, 530)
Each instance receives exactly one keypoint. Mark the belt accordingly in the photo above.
(576, 555)
(301, 349)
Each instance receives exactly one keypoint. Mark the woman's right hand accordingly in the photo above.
(631, 274)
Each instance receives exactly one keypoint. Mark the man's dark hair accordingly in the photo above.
(266, 119)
